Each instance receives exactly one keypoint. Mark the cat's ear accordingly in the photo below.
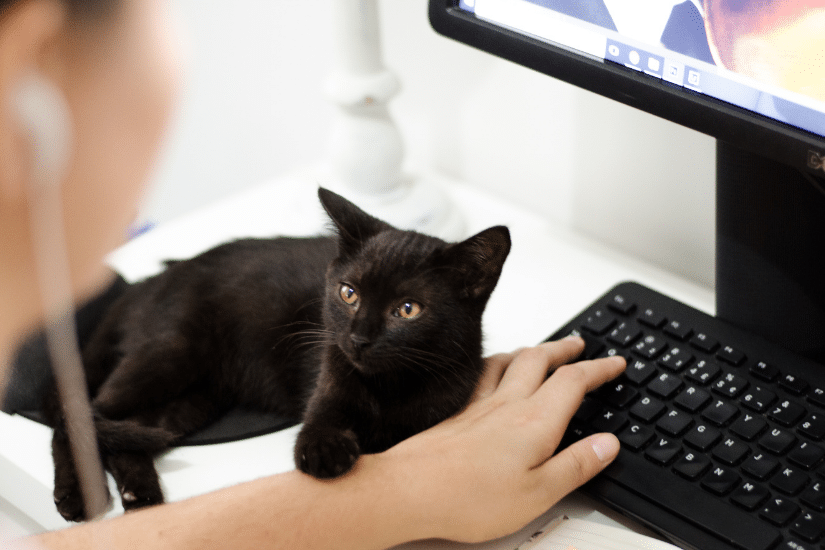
(478, 261)
(354, 226)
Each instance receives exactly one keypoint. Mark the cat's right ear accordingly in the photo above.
(353, 225)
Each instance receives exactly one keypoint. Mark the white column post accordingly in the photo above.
(366, 151)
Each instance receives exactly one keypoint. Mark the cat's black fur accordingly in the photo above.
(264, 324)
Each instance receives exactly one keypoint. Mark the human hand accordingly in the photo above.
(489, 470)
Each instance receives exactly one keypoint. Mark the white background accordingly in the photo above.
(253, 109)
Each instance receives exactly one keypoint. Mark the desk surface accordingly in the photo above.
(549, 277)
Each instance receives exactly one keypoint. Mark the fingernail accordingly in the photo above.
(573, 338)
(606, 446)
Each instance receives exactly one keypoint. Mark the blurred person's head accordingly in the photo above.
(777, 42)
(114, 63)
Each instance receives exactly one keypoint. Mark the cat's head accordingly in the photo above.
(401, 301)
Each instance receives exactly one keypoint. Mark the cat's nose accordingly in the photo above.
(360, 343)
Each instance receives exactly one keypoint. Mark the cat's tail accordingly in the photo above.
(128, 435)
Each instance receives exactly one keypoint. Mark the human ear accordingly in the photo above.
(32, 112)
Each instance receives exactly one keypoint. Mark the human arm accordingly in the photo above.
(481, 474)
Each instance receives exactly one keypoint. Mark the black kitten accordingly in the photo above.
(370, 337)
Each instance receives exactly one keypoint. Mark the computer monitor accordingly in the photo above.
(750, 73)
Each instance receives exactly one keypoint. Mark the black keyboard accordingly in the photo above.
(722, 432)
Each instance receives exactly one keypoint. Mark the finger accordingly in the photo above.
(555, 403)
(578, 464)
(494, 368)
(530, 367)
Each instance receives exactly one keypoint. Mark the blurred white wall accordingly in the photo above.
(253, 109)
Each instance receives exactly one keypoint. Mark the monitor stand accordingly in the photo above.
(770, 249)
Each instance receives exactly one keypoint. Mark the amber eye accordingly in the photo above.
(348, 295)
(408, 310)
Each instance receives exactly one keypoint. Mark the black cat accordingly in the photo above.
(370, 337)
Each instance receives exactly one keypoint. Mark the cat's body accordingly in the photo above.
(369, 338)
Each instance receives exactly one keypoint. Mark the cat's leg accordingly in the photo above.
(327, 445)
(134, 472)
(143, 381)
(136, 479)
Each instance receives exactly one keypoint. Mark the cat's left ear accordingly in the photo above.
(478, 261)
(354, 226)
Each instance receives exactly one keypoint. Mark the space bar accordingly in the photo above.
(690, 503)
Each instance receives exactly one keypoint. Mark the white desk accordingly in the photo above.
(549, 277)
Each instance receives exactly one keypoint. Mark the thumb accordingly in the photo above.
(580, 462)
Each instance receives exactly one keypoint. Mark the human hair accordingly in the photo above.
(78, 9)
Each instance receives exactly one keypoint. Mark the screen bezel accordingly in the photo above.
(724, 121)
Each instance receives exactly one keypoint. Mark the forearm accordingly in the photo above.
(292, 510)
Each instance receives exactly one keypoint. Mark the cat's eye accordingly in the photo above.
(409, 310)
(348, 295)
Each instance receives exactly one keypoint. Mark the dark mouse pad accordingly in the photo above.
(235, 425)
(31, 377)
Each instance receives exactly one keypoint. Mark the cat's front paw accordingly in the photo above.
(69, 503)
(326, 452)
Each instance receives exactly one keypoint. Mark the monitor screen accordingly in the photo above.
(750, 73)
(758, 62)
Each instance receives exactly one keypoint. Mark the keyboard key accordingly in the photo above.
(665, 385)
(765, 371)
(674, 423)
(758, 399)
(624, 334)
(663, 451)
(750, 496)
(678, 330)
(636, 437)
(794, 544)
(703, 437)
(806, 455)
(760, 466)
(813, 426)
(730, 451)
(730, 385)
(680, 498)
(592, 346)
(650, 346)
(652, 318)
(676, 359)
(789, 481)
(731, 356)
(612, 352)
(787, 413)
(618, 394)
(609, 421)
(749, 426)
(692, 466)
(814, 496)
(809, 527)
(794, 384)
(587, 410)
(777, 441)
(647, 409)
(704, 342)
(639, 372)
(779, 511)
(620, 304)
(817, 397)
(692, 399)
(720, 413)
(721, 480)
(704, 372)
(598, 322)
